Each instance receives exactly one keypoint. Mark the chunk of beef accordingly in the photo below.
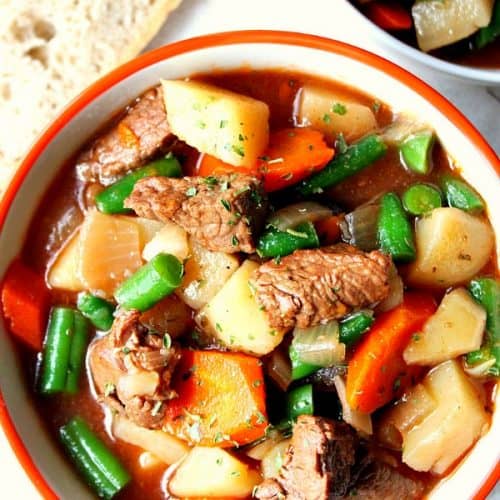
(317, 464)
(141, 133)
(133, 366)
(380, 480)
(223, 213)
(326, 461)
(310, 287)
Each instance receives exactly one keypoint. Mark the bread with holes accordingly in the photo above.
(50, 50)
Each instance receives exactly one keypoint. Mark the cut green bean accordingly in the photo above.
(101, 469)
(77, 352)
(489, 33)
(354, 326)
(97, 310)
(486, 291)
(111, 200)
(395, 233)
(421, 198)
(459, 194)
(151, 283)
(275, 243)
(357, 157)
(416, 151)
(300, 402)
(57, 348)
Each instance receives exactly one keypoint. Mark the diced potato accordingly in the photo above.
(452, 246)
(235, 318)
(63, 272)
(171, 238)
(166, 447)
(148, 228)
(434, 438)
(455, 328)
(273, 460)
(229, 126)
(205, 274)
(110, 251)
(439, 23)
(214, 473)
(332, 113)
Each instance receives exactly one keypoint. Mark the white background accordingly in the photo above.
(323, 17)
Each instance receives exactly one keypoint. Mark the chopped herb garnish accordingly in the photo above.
(235, 473)
(218, 437)
(232, 339)
(340, 143)
(272, 333)
(226, 204)
(277, 259)
(210, 180)
(202, 124)
(219, 461)
(222, 123)
(235, 241)
(218, 327)
(260, 418)
(339, 108)
(240, 137)
(109, 388)
(415, 337)
(397, 384)
(257, 383)
(191, 191)
(327, 118)
(125, 350)
(376, 106)
(239, 150)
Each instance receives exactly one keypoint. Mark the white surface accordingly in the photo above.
(323, 17)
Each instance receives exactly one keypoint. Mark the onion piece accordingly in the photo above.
(362, 422)
(319, 345)
(481, 369)
(359, 228)
(293, 215)
(401, 128)
(279, 369)
(396, 290)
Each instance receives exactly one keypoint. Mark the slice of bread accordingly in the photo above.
(50, 50)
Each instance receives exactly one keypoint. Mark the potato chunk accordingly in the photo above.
(439, 23)
(235, 318)
(440, 419)
(452, 246)
(332, 113)
(456, 328)
(171, 238)
(213, 473)
(63, 271)
(229, 126)
(205, 273)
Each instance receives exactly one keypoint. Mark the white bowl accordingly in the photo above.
(43, 462)
(483, 76)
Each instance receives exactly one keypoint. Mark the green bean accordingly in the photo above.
(395, 233)
(354, 326)
(99, 466)
(489, 33)
(111, 200)
(55, 360)
(416, 151)
(275, 243)
(419, 199)
(486, 291)
(357, 157)
(151, 283)
(300, 402)
(97, 310)
(77, 352)
(459, 194)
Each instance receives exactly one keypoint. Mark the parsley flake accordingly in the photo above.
(339, 108)
(226, 204)
(191, 191)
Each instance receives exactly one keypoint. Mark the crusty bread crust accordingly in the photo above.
(50, 50)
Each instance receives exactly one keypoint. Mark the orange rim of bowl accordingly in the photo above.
(190, 45)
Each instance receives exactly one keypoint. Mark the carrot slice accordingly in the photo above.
(389, 16)
(209, 165)
(328, 229)
(25, 302)
(377, 373)
(292, 155)
(221, 399)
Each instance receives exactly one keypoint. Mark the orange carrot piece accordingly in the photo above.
(209, 165)
(328, 229)
(221, 399)
(389, 16)
(292, 155)
(377, 373)
(25, 302)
